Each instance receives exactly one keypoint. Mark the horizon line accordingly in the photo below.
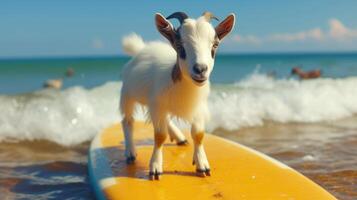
(95, 56)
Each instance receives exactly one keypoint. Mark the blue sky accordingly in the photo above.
(82, 28)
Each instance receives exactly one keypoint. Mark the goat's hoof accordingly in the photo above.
(203, 172)
(130, 160)
(182, 143)
(155, 175)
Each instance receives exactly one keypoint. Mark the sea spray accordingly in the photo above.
(258, 98)
(67, 117)
(76, 114)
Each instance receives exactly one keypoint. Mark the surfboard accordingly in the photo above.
(237, 172)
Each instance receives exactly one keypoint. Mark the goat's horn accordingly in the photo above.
(209, 16)
(181, 16)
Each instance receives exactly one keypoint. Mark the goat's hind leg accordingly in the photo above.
(127, 108)
(130, 152)
(176, 134)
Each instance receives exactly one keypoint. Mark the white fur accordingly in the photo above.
(200, 158)
(147, 80)
(132, 44)
(175, 133)
(198, 37)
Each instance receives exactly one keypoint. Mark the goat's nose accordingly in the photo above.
(200, 68)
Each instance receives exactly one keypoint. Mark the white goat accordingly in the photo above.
(172, 81)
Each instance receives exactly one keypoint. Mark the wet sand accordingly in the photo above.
(43, 170)
(325, 152)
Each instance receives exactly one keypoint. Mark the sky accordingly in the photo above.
(95, 28)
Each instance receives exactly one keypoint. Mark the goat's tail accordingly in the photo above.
(132, 44)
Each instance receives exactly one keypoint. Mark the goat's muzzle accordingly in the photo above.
(199, 73)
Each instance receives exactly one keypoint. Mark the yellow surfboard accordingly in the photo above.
(237, 172)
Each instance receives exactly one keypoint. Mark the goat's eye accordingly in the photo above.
(213, 50)
(181, 50)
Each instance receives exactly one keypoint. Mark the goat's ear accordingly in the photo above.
(226, 26)
(164, 27)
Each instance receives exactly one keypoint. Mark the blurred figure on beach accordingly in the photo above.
(70, 72)
(312, 74)
(53, 83)
(58, 83)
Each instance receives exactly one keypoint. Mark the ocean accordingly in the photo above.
(309, 125)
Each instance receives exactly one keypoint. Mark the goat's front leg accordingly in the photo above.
(199, 154)
(156, 158)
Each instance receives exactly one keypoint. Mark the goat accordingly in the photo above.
(172, 81)
(306, 75)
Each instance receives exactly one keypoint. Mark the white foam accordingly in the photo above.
(259, 97)
(66, 117)
(75, 115)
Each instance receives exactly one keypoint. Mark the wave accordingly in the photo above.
(67, 117)
(75, 115)
(260, 98)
